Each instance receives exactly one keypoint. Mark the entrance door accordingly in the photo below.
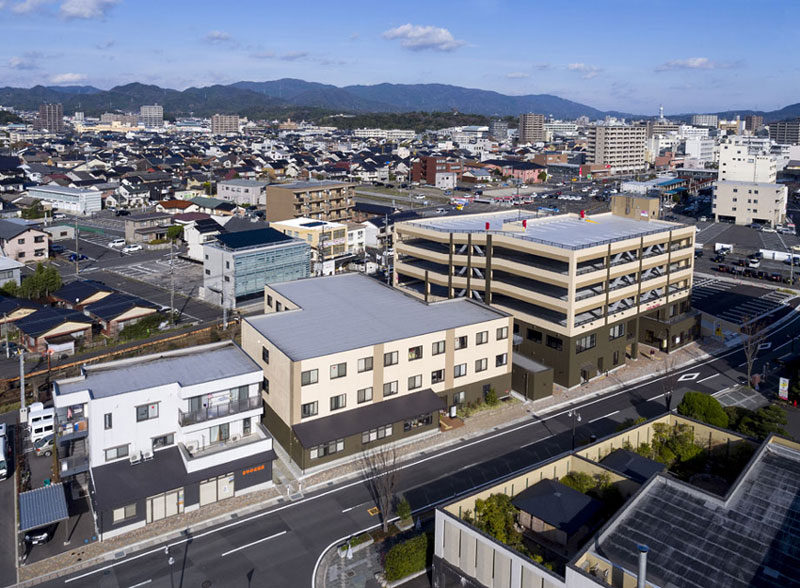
(599, 365)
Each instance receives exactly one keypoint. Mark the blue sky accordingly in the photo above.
(704, 55)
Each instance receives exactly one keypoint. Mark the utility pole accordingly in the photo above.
(171, 283)
(77, 251)
(5, 333)
(21, 380)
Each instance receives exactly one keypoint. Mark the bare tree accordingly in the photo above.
(380, 476)
(753, 335)
(668, 380)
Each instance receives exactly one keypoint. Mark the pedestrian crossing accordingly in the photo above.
(735, 307)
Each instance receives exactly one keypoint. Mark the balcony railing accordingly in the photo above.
(218, 411)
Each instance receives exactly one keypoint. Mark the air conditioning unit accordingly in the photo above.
(147, 455)
(191, 447)
(235, 438)
(135, 458)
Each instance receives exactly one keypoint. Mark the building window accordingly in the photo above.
(502, 333)
(437, 377)
(482, 337)
(390, 358)
(438, 348)
(208, 272)
(247, 426)
(460, 370)
(278, 307)
(415, 382)
(309, 377)
(326, 449)
(116, 452)
(269, 300)
(365, 364)
(309, 409)
(108, 421)
(265, 386)
(555, 343)
(147, 412)
(585, 343)
(534, 335)
(481, 365)
(461, 342)
(390, 388)
(124, 513)
(163, 441)
(420, 421)
(460, 397)
(375, 434)
(616, 331)
(502, 359)
(338, 401)
(415, 353)
(21, 241)
(265, 354)
(364, 395)
(338, 370)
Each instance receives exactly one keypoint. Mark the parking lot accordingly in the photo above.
(736, 303)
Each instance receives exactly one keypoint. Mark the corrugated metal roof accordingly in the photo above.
(42, 507)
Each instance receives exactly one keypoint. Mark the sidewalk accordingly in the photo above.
(291, 487)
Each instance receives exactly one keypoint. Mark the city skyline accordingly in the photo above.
(630, 58)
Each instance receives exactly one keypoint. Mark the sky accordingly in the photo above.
(632, 56)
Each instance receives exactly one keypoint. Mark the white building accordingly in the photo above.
(749, 202)
(243, 192)
(690, 132)
(163, 434)
(446, 180)
(68, 199)
(746, 159)
(388, 134)
(699, 149)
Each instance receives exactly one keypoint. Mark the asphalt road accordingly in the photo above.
(8, 574)
(280, 546)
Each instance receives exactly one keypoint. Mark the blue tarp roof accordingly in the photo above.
(42, 507)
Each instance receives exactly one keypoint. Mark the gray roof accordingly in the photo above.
(243, 183)
(186, 367)
(308, 185)
(349, 311)
(697, 540)
(65, 190)
(42, 506)
(565, 231)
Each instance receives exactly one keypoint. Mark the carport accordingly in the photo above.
(43, 507)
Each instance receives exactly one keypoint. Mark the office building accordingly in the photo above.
(350, 363)
(583, 291)
(746, 159)
(328, 201)
(498, 129)
(427, 168)
(753, 122)
(705, 120)
(620, 148)
(785, 132)
(700, 150)
(561, 129)
(531, 128)
(155, 436)
(68, 199)
(50, 118)
(237, 265)
(224, 124)
(745, 203)
(151, 116)
(243, 192)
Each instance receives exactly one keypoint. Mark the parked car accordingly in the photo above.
(753, 263)
(768, 229)
(40, 536)
(56, 249)
(718, 258)
(44, 446)
(77, 257)
(117, 243)
(131, 248)
(122, 213)
(59, 216)
(13, 348)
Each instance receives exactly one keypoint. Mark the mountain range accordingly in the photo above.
(273, 98)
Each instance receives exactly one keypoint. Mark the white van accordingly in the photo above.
(3, 457)
(41, 421)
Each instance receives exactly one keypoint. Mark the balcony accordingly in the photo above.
(72, 424)
(236, 447)
(218, 411)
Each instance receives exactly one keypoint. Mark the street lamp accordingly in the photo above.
(668, 399)
(576, 418)
(171, 562)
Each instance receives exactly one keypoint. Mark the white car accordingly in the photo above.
(768, 229)
(419, 197)
(117, 243)
(132, 248)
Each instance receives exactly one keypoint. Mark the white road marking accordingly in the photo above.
(741, 364)
(141, 583)
(348, 509)
(689, 377)
(657, 397)
(604, 416)
(534, 442)
(254, 543)
(706, 379)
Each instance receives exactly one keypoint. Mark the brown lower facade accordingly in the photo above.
(321, 441)
(668, 333)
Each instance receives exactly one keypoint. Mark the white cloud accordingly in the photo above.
(27, 6)
(218, 37)
(420, 38)
(68, 78)
(587, 71)
(88, 9)
(22, 63)
(517, 75)
(695, 63)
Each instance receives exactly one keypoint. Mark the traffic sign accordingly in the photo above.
(783, 389)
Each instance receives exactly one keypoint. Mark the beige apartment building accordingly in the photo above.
(531, 128)
(350, 363)
(328, 201)
(328, 241)
(620, 148)
(746, 203)
(583, 291)
(224, 124)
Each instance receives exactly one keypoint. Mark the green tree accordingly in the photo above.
(760, 423)
(704, 408)
(408, 557)
(580, 481)
(671, 444)
(43, 282)
(542, 176)
(403, 509)
(35, 210)
(10, 288)
(496, 516)
(175, 232)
